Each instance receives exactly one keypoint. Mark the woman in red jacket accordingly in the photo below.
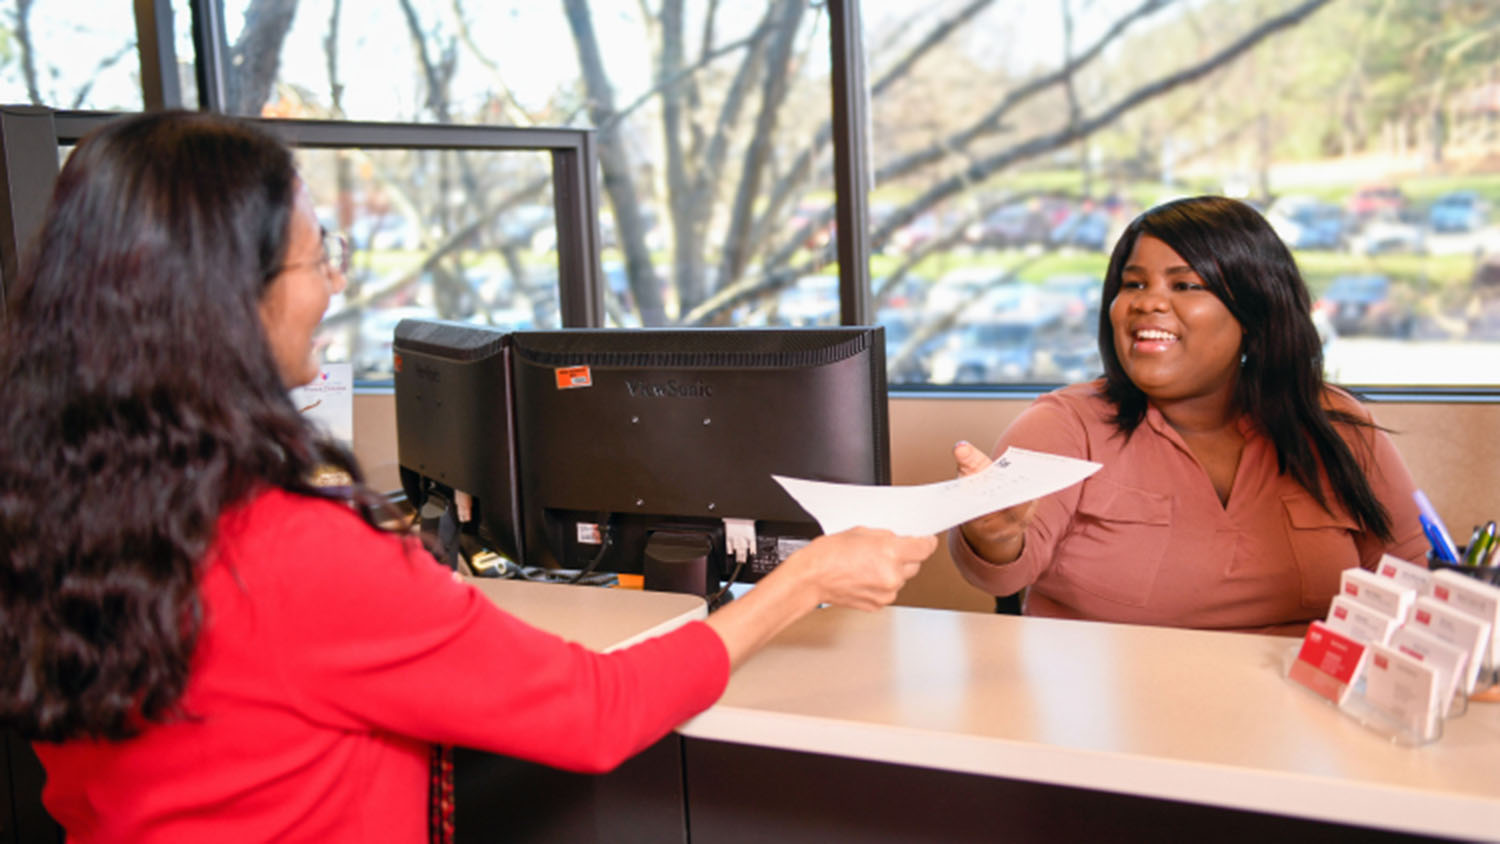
(182, 638)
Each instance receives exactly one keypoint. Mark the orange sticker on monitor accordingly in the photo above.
(570, 377)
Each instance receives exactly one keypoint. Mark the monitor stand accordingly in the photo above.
(677, 561)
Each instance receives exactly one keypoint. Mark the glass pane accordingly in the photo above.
(465, 236)
(70, 55)
(716, 193)
(1010, 151)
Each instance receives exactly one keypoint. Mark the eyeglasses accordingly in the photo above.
(336, 254)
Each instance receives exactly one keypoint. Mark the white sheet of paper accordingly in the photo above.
(1016, 476)
(329, 401)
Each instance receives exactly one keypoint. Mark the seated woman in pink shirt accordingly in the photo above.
(1236, 485)
(203, 645)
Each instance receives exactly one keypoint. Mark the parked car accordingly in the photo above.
(812, 300)
(1363, 304)
(1075, 360)
(961, 287)
(1459, 211)
(914, 235)
(1376, 201)
(1384, 235)
(999, 349)
(1305, 222)
(903, 365)
(1077, 295)
(1082, 230)
(1017, 224)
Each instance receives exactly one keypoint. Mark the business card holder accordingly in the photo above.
(1352, 703)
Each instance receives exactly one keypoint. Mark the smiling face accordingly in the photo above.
(1175, 339)
(294, 302)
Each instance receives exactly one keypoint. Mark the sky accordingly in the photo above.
(529, 38)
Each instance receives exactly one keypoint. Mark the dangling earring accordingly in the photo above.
(1242, 358)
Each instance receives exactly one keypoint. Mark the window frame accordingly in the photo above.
(31, 135)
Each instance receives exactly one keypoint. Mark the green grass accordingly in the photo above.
(1434, 272)
(1031, 268)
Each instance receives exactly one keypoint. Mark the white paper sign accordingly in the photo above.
(328, 400)
(1016, 476)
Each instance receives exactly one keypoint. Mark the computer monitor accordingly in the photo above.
(645, 445)
(455, 439)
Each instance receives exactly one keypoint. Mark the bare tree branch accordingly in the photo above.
(256, 54)
(619, 185)
(882, 292)
(28, 52)
(981, 169)
(686, 256)
(990, 122)
(773, 92)
(934, 37)
(801, 167)
(437, 73)
(690, 219)
(104, 64)
(942, 322)
(518, 115)
(685, 75)
(455, 240)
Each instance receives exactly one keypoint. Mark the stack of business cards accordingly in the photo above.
(1328, 662)
(1360, 622)
(1404, 690)
(1412, 576)
(1447, 660)
(1381, 593)
(1457, 628)
(1476, 598)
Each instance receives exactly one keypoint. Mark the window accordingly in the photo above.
(711, 118)
(70, 55)
(1012, 142)
(463, 235)
(1008, 144)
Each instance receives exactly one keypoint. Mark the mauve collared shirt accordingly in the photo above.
(1145, 540)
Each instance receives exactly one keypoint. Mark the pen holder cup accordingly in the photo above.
(1487, 574)
(1490, 676)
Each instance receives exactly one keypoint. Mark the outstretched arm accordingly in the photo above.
(858, 568)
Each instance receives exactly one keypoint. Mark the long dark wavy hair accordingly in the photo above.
(1245, 264)
(138, 400)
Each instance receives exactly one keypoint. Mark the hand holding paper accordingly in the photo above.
(1015, 477)
(999, 535)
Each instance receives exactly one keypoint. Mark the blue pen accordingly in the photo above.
(1432, 525)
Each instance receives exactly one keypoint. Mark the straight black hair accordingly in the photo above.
(1245, 264)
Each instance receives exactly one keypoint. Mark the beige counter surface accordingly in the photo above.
(600, 619)
(1185, 715)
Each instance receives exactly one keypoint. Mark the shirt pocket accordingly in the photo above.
(1120, 535)
(1322, 544)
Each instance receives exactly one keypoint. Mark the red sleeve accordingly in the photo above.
(1050, 426)
(374, 635)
